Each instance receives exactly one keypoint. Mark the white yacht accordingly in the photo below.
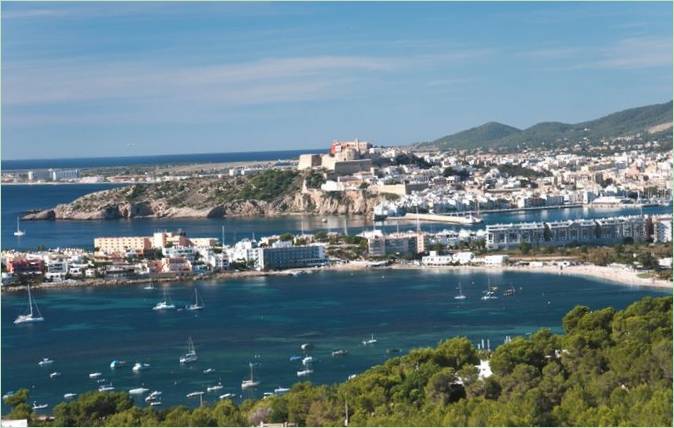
(138, 391)
(213, 388)
(39, 406)
(164, 304)
(104, 388)
(153, 396)
(198, 303)
(191, 355)
(18, 232)
(306, 346)
(33, 314)
(281, 390)
(54, 374)
(140, 366)
(460, 296)
(307, 360)
(340, 353)
(370, 341)
(250, 383)
(155, 403)
(228, 395)
(45, 362)
(208, 370)
(194, 394)
(117, 363)
(69, 395)
(305, 372)
(95, 375)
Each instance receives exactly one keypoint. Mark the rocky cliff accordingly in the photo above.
(268, 194)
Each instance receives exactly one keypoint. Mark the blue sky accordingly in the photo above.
(125, 79)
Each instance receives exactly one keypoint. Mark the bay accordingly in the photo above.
(266, 319)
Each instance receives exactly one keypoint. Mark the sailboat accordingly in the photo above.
(460, 296)
(191, 355)
(490, 292)
(164, 304)
(198, 303)
(18, 232)
(370, 341)
(250, 383)
(32, 315)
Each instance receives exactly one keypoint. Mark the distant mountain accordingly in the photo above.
(653, 119)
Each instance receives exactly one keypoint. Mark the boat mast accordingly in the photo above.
(30, 301)
(251, 371)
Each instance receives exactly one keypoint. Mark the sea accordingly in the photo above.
(17, 199)
(265, 321)
(193, 158)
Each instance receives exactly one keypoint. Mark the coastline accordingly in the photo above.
(603, 273)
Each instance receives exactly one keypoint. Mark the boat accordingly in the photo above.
(32, 315)
(117, 363)
(18, 232)
(138, 367)
(45, 362)
(104, 388)
(217, 387)
(295, 357)
(194, 394)
(370, 341)
(228, 395)
(393, 351)
(250, 383)
(54, 374)
(489, 293)
(353, 376)
(306, 346)
(165, 304)
(7, 395)
(155, 403)
(197, 305)
(510, 291)
(101, 380)
(460, 296)
(138, 391)
(39, 406)
(191, 355)
(95, 375)
(207, 371)
(69, 396)
(340, 353)
(281, 390)
(305, 372)
(153, 396)
(307, 360)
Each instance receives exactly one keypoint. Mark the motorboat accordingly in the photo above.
(306, 346)
(117, 363)
(228, 395)
(155, 403)
(194, 394)
(353, 376)
(489, 295)
(105, 388)
(250, 383)
(45, 362)
(340, 353)
(295, 357)
(101, 380)
(153, 396)
(7, 395)
(307, 360)
(281, 390)
(370, 341)
(140, 366)
(198, 303)
(165, 304)
(510, 291)
(138, 391)
(33, 314)
(95, 375)
(18, 232)
(207, 371)
(54, 374)
(39, 406)
(191, 355)
(305, 372)
(267, 394)
(69, 396)
(213, 388)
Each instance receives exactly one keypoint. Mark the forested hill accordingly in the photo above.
(653, 120)
(609, 368)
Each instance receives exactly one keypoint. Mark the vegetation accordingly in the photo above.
(608, 368)
(519, 171)
(315, 179)
(493, 134)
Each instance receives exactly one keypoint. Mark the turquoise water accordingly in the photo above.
(266, 320)
(66, 233)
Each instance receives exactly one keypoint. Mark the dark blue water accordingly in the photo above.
(66, 233)
(20, 164)
(269, 318)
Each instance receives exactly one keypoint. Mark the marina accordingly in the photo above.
(272, 323)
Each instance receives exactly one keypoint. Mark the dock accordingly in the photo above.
(439, 218)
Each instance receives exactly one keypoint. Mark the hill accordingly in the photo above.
(654, 120)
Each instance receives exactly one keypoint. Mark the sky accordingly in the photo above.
(125, 79)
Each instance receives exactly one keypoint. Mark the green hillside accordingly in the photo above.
(492, 134)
